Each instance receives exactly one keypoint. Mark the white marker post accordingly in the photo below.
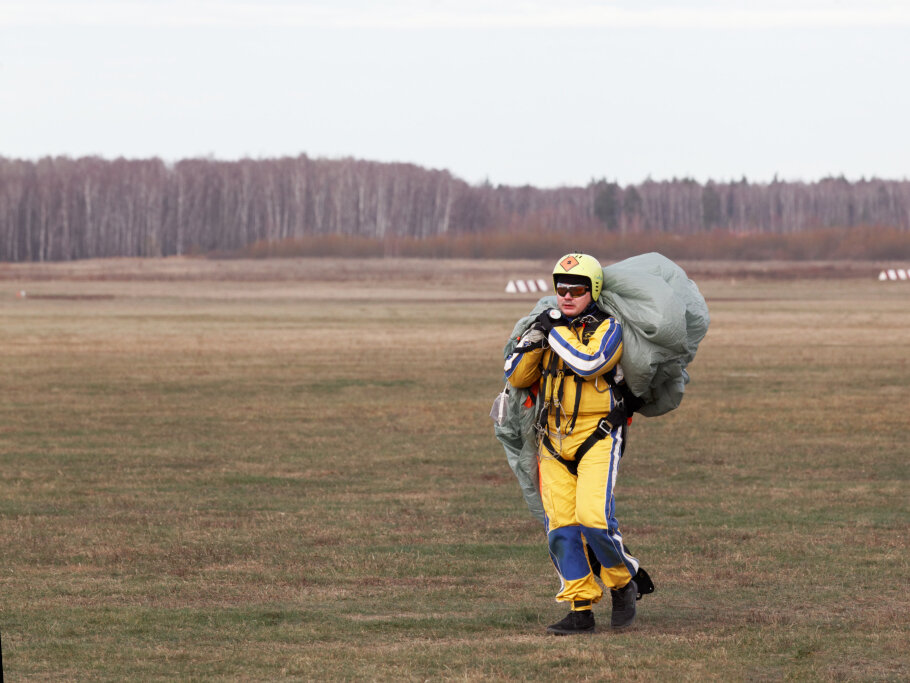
(894, 275)
(525, 286)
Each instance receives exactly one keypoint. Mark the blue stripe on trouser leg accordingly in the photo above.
(566, 544)
(567, 550)
(596, 510)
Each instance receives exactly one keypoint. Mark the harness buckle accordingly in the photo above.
(604, 427)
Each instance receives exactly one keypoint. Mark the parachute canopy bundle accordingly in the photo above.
(663, 316)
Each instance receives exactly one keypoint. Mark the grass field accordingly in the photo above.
(286, 470)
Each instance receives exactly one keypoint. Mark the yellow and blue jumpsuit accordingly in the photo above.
(576, 375)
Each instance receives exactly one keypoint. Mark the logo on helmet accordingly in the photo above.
(569, 262)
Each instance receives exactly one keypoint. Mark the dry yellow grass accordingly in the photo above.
(285, 469)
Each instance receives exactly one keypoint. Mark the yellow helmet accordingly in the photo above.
(582, 267)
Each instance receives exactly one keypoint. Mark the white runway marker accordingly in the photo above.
(894, 275)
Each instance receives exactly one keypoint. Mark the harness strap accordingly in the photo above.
(571, 426)
(578, 380)
(559, 385)
(546, 385)
(615, 419)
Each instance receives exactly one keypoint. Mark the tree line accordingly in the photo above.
(59, 208)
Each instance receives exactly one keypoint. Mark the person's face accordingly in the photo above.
(570, 304)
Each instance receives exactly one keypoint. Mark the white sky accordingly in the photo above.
(546, 93)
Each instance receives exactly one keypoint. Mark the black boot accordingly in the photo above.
(623, 606)
(574, 623)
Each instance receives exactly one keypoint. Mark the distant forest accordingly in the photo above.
(60, 208)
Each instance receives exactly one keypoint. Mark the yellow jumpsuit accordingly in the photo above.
(579, 507)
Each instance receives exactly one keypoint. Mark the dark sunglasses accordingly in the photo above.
(575, 290)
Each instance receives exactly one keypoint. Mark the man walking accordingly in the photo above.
(572, 355)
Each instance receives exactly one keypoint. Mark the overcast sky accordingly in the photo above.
(545, 93)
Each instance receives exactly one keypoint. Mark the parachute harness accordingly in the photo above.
(552, 384)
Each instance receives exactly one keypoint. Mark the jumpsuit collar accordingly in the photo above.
(588, 311)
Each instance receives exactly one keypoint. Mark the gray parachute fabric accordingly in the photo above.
(516, 433)
(663, 316)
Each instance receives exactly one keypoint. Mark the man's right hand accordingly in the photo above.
(533, 336)
(550, 318)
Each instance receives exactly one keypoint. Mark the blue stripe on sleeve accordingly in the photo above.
(512, 363)
(585, 364)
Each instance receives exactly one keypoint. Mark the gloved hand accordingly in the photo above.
(549, 319)
(533, 338)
